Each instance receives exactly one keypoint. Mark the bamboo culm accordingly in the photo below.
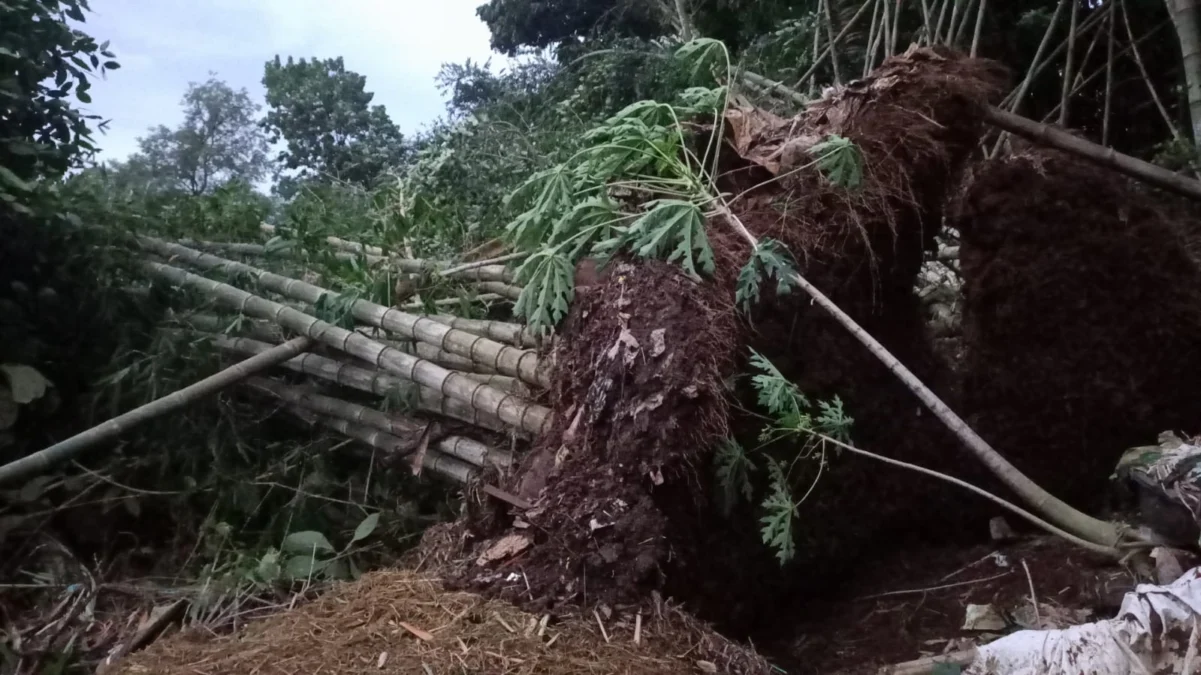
(453, 384)
(43, 460)
(443, 465)
(523, 364)
(406, 432)
(369, 381)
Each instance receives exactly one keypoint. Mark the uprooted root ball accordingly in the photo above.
(1082, 319)
(914, 121)
(639, 382)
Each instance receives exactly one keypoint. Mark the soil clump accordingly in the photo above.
(1081, 321)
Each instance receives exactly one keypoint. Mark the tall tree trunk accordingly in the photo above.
(1186, 14)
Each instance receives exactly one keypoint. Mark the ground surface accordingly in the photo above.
(894, 608)
(910, 604)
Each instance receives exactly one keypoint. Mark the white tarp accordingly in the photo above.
(1156, 632)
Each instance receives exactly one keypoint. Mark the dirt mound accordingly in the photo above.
(1082, 319)
(638, 379)
(404, 622)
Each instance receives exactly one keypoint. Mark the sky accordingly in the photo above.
(162, 45)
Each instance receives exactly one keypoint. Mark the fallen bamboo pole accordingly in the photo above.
(44, 459)
(444, 465)
(1084, 149)
(369, 381)
(489, 399)
(523, 364)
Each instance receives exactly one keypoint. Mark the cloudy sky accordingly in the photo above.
(163, 45)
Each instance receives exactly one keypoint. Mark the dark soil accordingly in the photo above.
(1081, 321)
(905, 605)
(639, 383)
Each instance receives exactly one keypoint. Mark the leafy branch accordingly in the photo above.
(791, 416)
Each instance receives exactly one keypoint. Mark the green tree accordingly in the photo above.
(323, 113)
(219, 140)
(43, 62)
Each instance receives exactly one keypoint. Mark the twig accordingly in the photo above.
(929, 589)
(604, 633)
(1038, 621)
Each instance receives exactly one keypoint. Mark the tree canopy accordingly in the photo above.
(219, 140)
(324, 115)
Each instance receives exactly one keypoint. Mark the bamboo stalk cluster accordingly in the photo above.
(461, 377)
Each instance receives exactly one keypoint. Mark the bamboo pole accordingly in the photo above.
(523, 364)
(453, 384)
(395, 435)
(511, 333)
(1186, 15)
(403, 429)
(44, 459)
(448, 467)
(1066, 93)
(833, 43)
(369, 381)
(1106, 157)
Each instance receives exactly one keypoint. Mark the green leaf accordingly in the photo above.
(112, 65)
(733, 473)
(306, 542)
(675, 225)
(303, 567)
(269, 570)
(779, 511)
(771, 260)
(7, 176)
(366, 527)
(839, 159)
(26, 383)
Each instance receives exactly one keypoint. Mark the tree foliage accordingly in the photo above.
(219, 140)
(323, 113)
(44, 63)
